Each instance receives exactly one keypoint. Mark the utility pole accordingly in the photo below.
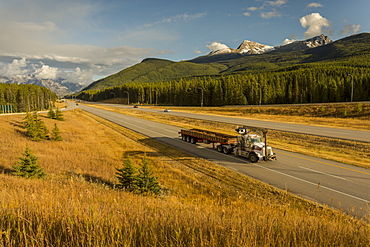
(156, 97)
(128, 97)
(28, 97)
(351, 87)
(260, 103)
(201, 102)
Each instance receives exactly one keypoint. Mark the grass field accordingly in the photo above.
(203, 204)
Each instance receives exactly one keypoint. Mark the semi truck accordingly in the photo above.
(251, 142)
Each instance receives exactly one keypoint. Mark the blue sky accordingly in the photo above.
(84, 40)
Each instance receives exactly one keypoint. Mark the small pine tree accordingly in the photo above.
(55, 134)
(28, 167)
(27, 120)
(146, 182)
(59, 115)
(127, 176)
(41, 130)
(51, 113)
(29, 125)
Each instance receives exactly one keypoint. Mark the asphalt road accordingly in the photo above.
(330, 183)
(346, 134)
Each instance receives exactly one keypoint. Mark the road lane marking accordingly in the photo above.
(321, 186)
(323, 173)
(328, 164)
(305, 181)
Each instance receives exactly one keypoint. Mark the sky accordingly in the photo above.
(85, 40)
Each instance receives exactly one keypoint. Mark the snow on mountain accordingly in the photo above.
(305, 44)
(250, 47)
(218, 48)
(60, 86)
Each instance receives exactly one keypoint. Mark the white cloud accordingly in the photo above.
(348, 29)
(268, 15)
(37, 38)
(177, 18)
(215, 46)
(46, 72)
(314, 5)
(14, 68)
(314, 23)
(269, 8)
(247, 14)
(197, 52)
(277, 3)
(253, 8)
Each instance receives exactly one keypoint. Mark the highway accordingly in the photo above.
(339, 133)
(337, 185)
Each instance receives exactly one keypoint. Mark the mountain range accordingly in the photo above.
(249, 57)
(60, 86)
(250, 47)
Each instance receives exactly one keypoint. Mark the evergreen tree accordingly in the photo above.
(41, 131)
(28, 120)
(146, 182)
(51, 113)
(59, 115)
(28, 167)
(127, 176)
(55, 134)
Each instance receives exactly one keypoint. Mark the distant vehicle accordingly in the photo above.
(136, 106)
(167, 110)
(249, 143)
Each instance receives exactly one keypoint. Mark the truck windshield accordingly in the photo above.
(256, 140)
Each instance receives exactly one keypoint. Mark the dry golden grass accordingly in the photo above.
(203, 205)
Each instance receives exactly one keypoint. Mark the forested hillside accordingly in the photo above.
(322, 74)
(24, 97)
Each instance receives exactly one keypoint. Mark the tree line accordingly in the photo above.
(303, 84)
(25, 98)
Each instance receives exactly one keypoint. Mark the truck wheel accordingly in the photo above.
(253, 158)
(184, 137)
(193, 140)
(188, 138)
(226, 150)
(219, 148)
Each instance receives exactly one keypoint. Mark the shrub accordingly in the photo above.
(141, 182)
(147, 183)
(55, 134)
(59, 115)
(127, 176)
(28, 167)
(35, 127)
(51, 113)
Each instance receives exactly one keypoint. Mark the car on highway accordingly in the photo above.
(136, 106)
(167, 110)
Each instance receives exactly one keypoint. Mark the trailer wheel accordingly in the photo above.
(188, 138)
(226, 150)
(184, 137)
(253, 158)
(193, 140)
(219, 148)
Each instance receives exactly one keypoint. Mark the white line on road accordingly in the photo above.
(303, 180)
(323, 173)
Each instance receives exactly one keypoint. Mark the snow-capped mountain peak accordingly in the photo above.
(251, 47)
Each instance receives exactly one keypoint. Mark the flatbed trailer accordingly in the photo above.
(248, 144)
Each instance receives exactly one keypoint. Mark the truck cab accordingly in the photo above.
(252, 146)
